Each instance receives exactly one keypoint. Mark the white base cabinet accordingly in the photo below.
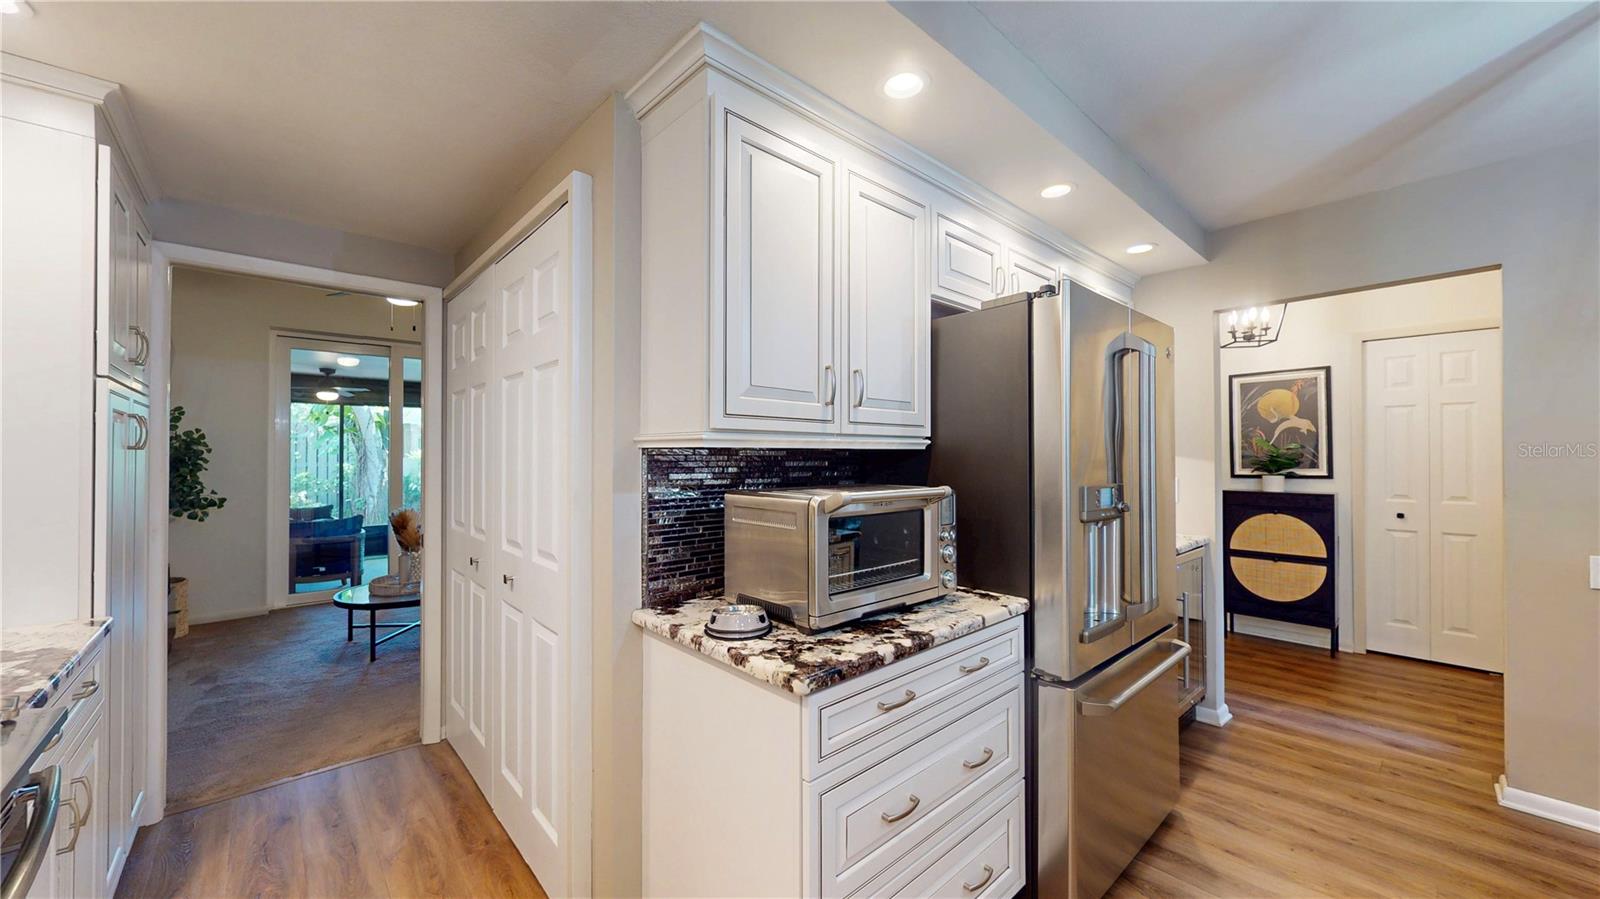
(81, 846)
(908, 781)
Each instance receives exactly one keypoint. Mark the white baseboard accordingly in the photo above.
(1283, 630)
(1569, 813)
(228, 615)
(1217, 717)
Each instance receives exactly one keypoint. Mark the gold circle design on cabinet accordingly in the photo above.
(1272, 532)
(1278, 581)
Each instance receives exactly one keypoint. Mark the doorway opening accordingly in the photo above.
(1398, 414)
(310, 403)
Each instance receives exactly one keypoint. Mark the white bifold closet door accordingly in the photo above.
(510, 518)
(1433, 498)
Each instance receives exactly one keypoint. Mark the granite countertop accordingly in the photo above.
(805, 663)
(34, 662)
(1187, 542)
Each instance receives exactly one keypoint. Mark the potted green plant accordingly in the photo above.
(190, 454)
(1271, 461)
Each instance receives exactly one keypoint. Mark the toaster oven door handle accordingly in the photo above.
(835, 501)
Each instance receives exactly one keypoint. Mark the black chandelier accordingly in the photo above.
(1253, 327)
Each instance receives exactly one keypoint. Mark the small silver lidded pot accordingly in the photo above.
(738, 621)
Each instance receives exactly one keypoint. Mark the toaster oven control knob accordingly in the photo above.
(948, 580)
(947, 553)
(946, 535)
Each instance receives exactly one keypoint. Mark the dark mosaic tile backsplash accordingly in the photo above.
(683, 491)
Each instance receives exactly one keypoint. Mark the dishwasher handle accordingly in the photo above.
(46, 787)
(1177, 650)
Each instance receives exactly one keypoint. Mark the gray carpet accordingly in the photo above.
(256, 700)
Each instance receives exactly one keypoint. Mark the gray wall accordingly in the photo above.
(233, 231)
(1539, 218)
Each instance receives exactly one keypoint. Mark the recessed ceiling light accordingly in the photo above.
(401, 301)
(1139, 248)
(15, 8)
(905, 84)
(1056, 190)
(348, 361)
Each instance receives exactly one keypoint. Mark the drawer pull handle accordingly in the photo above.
(890, 819)
(87, 689)
(987, 755)
(988, 875)
(55, 740)
(891, 706)
(983, 662)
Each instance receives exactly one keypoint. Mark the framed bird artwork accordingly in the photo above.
(1286, 409)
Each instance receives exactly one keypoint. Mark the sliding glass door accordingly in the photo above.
(349, 433)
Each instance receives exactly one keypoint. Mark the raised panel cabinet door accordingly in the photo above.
(1397, 509)
(118, 341)
(84, 777)
(969, 266)
(888, 307)
(470, 503)
(139, 288)
(1027, 269)
(779, 327)
(134, 626)
(1467, 599)
(535, 342)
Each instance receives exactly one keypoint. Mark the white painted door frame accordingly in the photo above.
(163, 257)
(577, 766)
(278, 586)
(1358, 476)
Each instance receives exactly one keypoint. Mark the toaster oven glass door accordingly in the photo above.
(876, 549)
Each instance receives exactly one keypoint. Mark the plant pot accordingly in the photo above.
(1272, 483)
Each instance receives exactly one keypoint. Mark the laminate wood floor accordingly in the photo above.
(1361, 775)
(409, 823)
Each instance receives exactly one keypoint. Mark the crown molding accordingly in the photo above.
(107, 96)
(706, 47)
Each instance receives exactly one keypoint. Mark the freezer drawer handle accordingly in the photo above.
(45, 785)
(988, 875)
(1092, 707)
(972, 766)
(983, 662)
(890, 819)
(891, 706)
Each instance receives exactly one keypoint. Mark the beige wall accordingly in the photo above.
(1328, 331)
(606, 147)
(1539, 219)
(220, 367)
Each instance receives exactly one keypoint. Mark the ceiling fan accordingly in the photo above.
(329, 392)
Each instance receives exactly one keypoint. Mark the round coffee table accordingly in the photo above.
(356, 599)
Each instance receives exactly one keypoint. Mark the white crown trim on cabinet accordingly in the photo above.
(705, 46)
(1569, 813)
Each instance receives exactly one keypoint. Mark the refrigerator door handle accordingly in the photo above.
(1177, 650)
(1125, 343)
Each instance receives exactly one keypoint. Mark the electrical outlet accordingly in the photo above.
(1594, 572)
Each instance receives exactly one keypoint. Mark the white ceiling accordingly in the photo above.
(414, 122)
(1247, 110)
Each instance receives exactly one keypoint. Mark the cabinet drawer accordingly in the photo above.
(981, 855)
(882, 814)
(850, 719)
(83, 691)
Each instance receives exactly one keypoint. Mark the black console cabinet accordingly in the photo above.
(1278, 558)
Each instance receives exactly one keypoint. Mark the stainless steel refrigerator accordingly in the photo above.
(1052, 419)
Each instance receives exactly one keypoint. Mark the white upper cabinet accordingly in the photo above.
(122, 288)
(971, 260)
(887, 301)
(791, 255)
(780, 278)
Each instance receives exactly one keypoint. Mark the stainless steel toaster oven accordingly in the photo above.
(824, 556)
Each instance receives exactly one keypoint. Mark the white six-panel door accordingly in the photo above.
(513, 513)
(469, 505)
(532, 355)
(1433, 500)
